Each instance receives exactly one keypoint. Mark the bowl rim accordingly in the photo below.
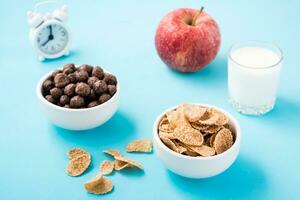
(232, 119)
(43, 100)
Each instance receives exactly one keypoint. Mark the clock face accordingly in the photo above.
(52, 39)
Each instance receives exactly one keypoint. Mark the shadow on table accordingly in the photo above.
(132, 172)
(285, 113)
(73, 54)
(117, 128)
(242, 180)
(213, 74)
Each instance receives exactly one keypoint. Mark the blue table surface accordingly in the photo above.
(118, 35)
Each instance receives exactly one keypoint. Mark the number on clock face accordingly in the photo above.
(52, 39)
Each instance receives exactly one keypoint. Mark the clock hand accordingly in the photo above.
(50, 27)
(50, 37)
(46, 42)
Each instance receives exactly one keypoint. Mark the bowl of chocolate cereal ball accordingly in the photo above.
(78, 97)
(196, 140)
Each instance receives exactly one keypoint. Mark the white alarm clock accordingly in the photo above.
(49, 34)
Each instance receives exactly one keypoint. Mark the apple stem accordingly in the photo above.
(197, 15)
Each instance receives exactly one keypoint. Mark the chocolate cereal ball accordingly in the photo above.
(87, 68)
(70, 89)
(110, 79)
(83, 89)
(64, 99)
(56, 92)
(56, 72)
(99, 87)
(47, 85)
(72, 77)
(92, 80)
(82, 76)
(104, 97)
(92, 95)
(50, 99)
(69, 68)
(98, 72)
(77, 102)
(61, 80)
(112, 89)
(93, 104)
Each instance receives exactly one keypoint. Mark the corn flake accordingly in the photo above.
(223, 140)
(131, 163)
(142, 145)
(75, 152)
(98, 185)
(113, 152)
(106, 167)
(222, 118)
(199, 126)
(193, 112)
(177, 118)
(212, 129)
(204, 150)
(165, 126)
(195, 130)
(119, 165)
(166, 135)
(209, 118)
(189, 136)
(78, 165)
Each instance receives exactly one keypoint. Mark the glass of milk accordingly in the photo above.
(253, 76)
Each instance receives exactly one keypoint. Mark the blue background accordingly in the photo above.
(118, 35)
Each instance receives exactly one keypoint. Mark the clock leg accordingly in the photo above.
(41, 58)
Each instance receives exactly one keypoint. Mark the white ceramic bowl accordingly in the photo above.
(78, 119)
(196, 167)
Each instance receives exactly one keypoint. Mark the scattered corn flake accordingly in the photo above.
(98, 185)
(142, 145)
(223, 140)
(193, 112)
(75, 152)
(106, 167)
(78, 165)
(119, 165)
(131, 163)
(113, 152)
(189, 136)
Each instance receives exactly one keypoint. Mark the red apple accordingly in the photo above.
(187, 39)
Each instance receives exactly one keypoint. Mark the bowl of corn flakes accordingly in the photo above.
(196, 140)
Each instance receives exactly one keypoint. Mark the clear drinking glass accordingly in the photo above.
(253, 76)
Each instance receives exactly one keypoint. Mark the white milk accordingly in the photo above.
(253, 76)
